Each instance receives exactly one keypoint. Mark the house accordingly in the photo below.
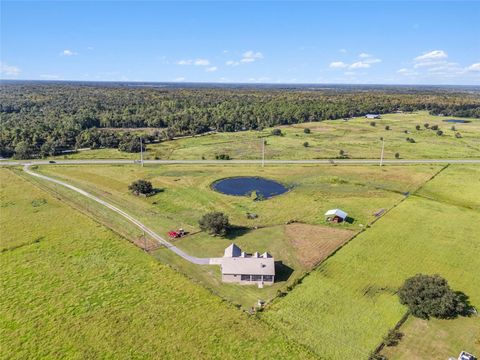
(372, 116)
(247, 269)
(336, 215)
(466, 356)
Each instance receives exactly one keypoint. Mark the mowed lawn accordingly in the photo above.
(356, 137)
(81, 292)
(345, 307)
(186, 195)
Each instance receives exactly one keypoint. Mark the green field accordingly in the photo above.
(186, 195)
(356, 137)
(73, 289)
(345, 307)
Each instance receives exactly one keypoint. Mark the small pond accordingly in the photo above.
(457, 121)
(244, 186)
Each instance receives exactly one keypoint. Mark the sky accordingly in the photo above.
(356, 42)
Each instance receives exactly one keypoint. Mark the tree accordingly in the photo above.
(393, 337)
(397, 155)
(373, 123)
(222, 157)
(306, 131)
(276, 132)
(434, 127)
(387, 127)
(439, 132)
(215, 223)
(430, 296)
(417, 127)
(143, 187)
(130, 144)
(426, 125)
(306, 144)
(22, 150)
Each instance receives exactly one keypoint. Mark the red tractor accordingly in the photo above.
(176, 234)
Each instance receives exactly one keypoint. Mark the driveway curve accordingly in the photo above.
(158, 238)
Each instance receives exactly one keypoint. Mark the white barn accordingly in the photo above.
(336, 215)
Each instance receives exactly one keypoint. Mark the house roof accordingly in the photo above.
(232, 251)
(336, 212)
(248, 266)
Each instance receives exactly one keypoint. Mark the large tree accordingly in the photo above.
(215, 223)
(430, 296)
(143, 187)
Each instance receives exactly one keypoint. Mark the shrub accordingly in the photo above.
(373, 123)
(215, 223)
(426, 125)
(143, 187)
(458, 135)
(306, 131)
(130, 144)
(397, 155)
(417, 127)
(276, 132)
(405, 131)
(410, 140)
(393, 337)
(222, 157)
(434, 127)
(306, 144)
(430, 296)
(439, 133)
(387, 127)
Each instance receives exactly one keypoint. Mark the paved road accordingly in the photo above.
(258, 162)
(161, 240)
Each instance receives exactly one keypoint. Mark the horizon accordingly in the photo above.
(311, 43)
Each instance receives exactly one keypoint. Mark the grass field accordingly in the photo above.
(72, 289)
(186, 195)
(356, 137)
(348, 303)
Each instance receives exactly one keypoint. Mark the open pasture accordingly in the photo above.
(347, 304)
(84, 292)
(185, 195)
(356, 137)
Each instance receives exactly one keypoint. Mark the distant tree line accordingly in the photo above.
(38, 120)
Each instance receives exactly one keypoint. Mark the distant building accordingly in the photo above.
(372, 116)
(336, 215)
(247, 269)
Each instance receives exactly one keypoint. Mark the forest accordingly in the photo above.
(43, 119)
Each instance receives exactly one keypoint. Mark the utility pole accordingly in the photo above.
(141, 151)
(263, 152)
(381, 156)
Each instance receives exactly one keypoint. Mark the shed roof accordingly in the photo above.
(336, 212)
(248, 266)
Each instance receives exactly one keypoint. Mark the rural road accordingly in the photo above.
(258, 162)
(161, 240)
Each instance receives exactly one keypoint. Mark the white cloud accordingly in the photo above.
(232, 63)
(359, 65)
(364, 55)
(251, 56)
(201, 62)
(196, 62)
(338, 65)
(9, 70)
(474, 67)
(432, 55)
(178, 79)
(211, 69)
(67, 52)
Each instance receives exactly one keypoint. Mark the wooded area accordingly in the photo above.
(41, 119)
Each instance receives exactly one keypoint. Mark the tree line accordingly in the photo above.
(42, 119)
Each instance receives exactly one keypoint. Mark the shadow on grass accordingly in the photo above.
(282, 271)
(236, 231)
(467, 309)
(349, 220)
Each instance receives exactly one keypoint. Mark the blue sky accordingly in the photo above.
(389, 42)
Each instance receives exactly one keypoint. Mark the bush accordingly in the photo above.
(458, 135)
(306, 131)
(434, 127)
(387, 127)
(306, 144)
(222, 157)
(130, 144)
(215, 223)
(373, 123)
(393, 337)
(417, 127)
(426, 125)
(143, 187)
(276, 132)
(430, 296)
(397, 155)
(439, 132)
(410, 140)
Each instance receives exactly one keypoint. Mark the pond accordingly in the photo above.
(246, 185)
(457, 121)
